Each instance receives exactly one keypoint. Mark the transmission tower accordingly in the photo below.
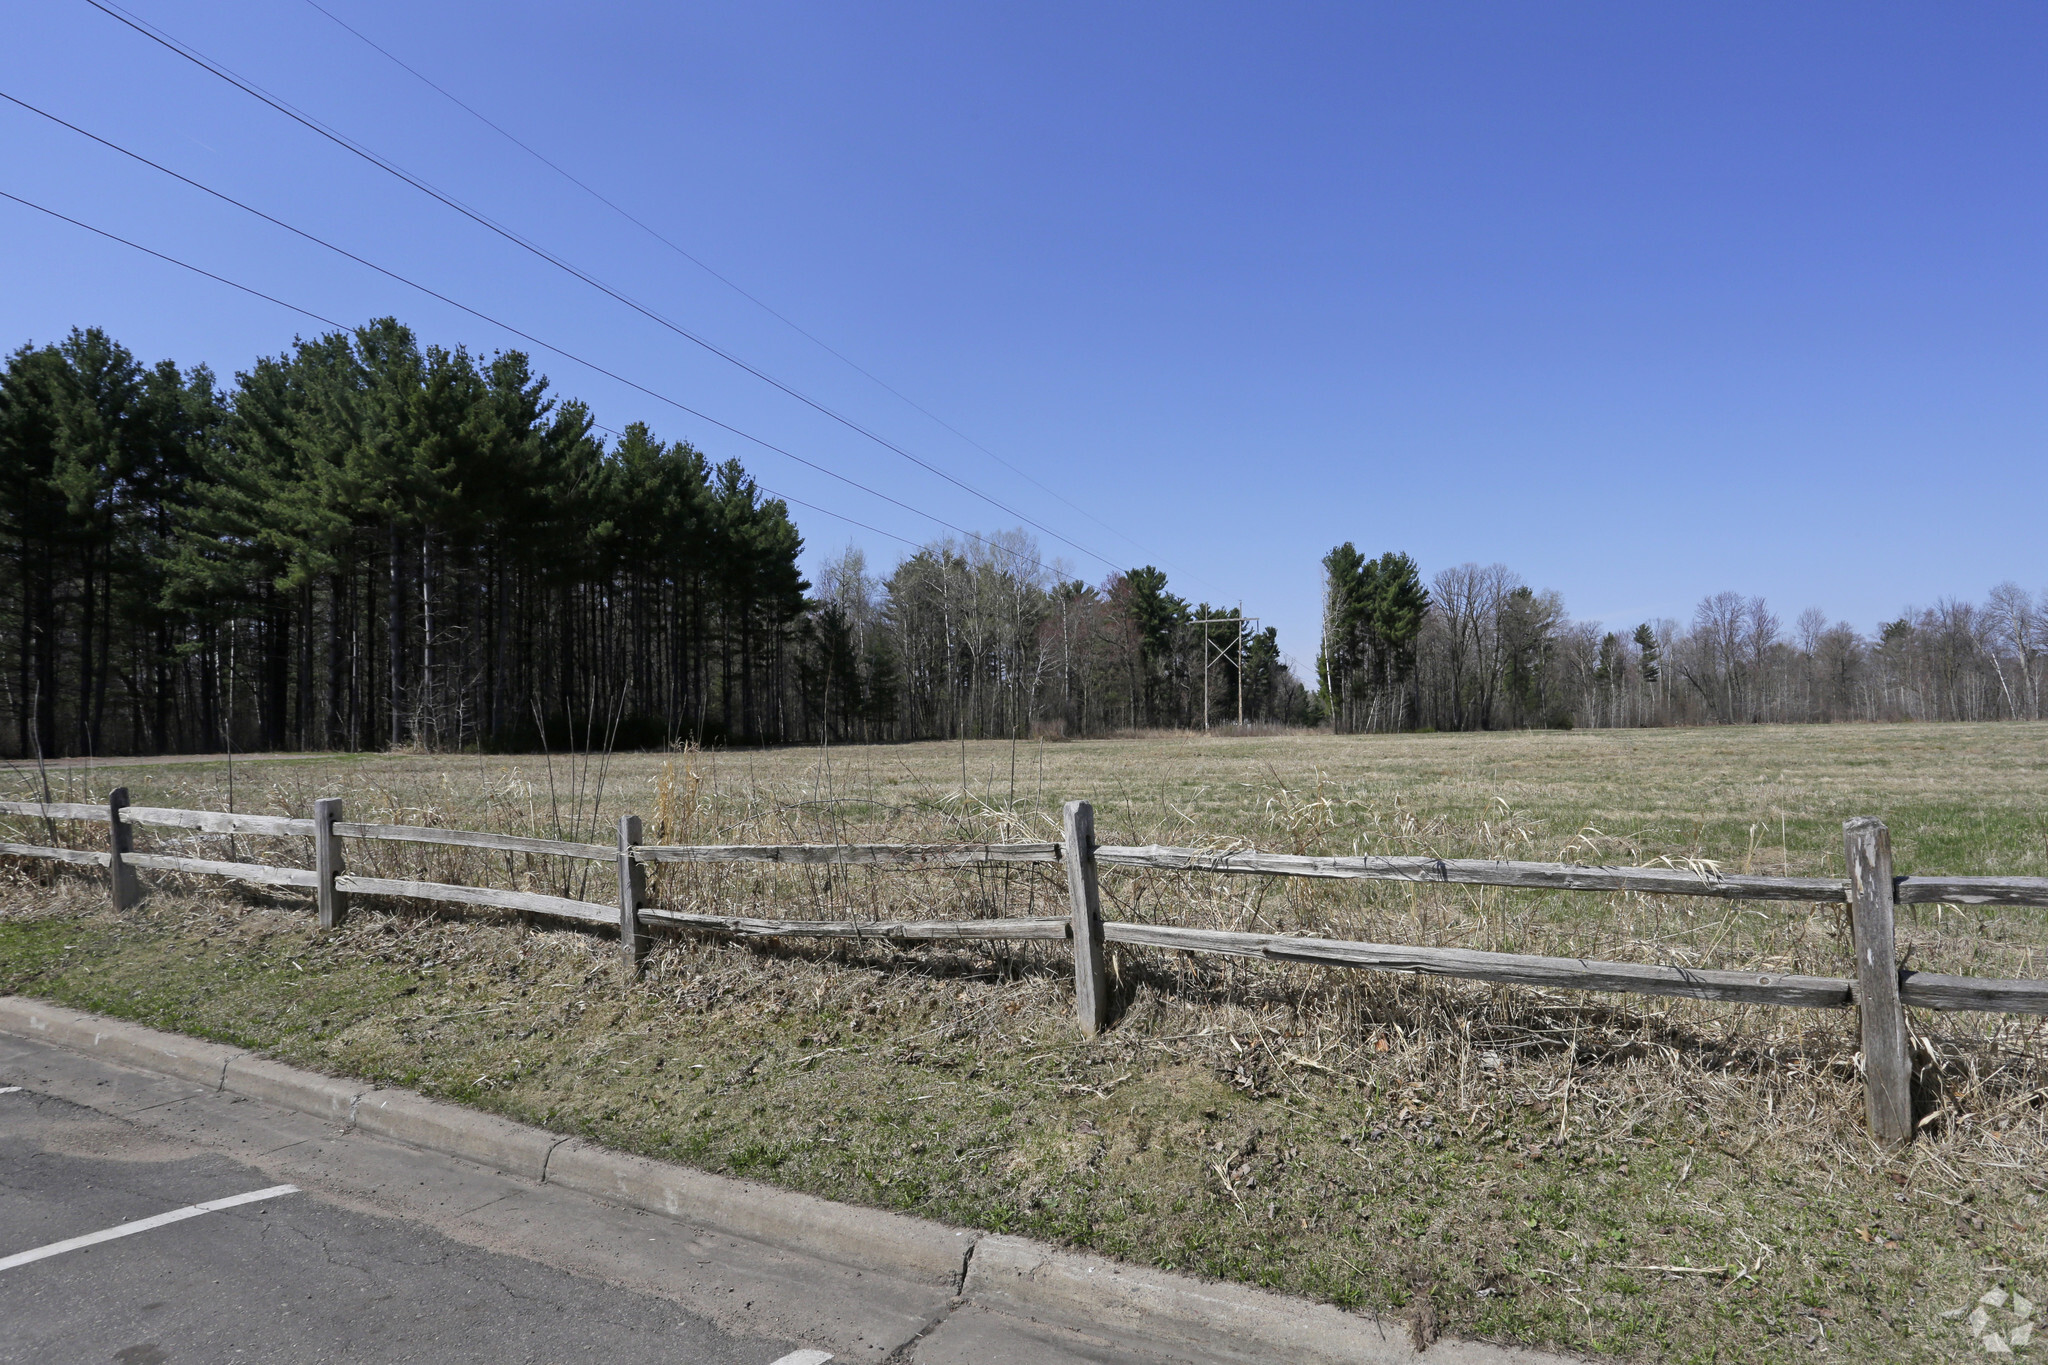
(1212, 652)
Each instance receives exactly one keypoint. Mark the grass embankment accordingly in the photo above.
(1653, 1179)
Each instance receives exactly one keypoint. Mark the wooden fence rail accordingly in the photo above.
(856, 855)
(1879, 990)
(463, 838)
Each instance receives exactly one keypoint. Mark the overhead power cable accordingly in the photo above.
(187, 265)
(391, 168)
(618, 435)
(714, 272)
(518, 332)
(322, 317)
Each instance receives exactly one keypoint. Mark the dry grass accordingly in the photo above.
(1518, 1155)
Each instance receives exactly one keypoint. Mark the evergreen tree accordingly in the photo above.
(1159, 617)
(1647, 653)
(367, 541)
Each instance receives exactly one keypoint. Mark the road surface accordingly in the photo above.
(348, 1247)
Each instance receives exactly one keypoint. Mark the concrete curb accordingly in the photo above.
(1014, 1275)
(1006, 1274)
(864, 1239)
(168, 1054)
(1030, 1279)
(289, 1088)
(454, 1131)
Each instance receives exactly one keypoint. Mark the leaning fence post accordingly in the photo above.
(121, 883)
(632, 891)
(1091, 988)
(327, 863)
(1887, 1066)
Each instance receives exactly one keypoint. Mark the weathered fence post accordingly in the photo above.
(632, 891)
(1091, 987)
(327, 863)
(121, 883)
(1887, 1066)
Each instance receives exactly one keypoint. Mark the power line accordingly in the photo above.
(616, 434)
(712, 271)
(840, 516)
(221, 279)
(321, 317)
(496, 322)
(207, 64)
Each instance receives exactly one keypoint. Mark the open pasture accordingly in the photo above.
(1959, 799)
(1656, 1178)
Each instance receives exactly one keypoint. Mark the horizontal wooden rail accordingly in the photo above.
(1924, 989)
(947, 855)
(262, 874)
(1927, 990)
(480, 895)
(54, 810)
(1670, 881)
(1480, 872)
(83, 857)
(216, 822)
(1933, 991)
(1971, 890)
(209, 821)
(465, 838)
(1761, 988)
(1048, 929)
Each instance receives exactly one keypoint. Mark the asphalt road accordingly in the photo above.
(383, 1252)
(292, 1277)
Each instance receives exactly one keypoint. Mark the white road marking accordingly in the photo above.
(8, 1089)
(145, 1224)
(803, 1358)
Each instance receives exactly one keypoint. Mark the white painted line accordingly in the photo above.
(144, 1225)
(8, 1089)
(803, 1358)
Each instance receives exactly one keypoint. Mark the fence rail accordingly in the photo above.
(1703, 880)
(856, 855)
(206, 821)
(83, 857)
(464, 838)
(881, 930)
(1880, 990)
(531, 901)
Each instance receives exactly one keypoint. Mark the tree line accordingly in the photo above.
(1477, 648)
(984, 639)
(365, 542)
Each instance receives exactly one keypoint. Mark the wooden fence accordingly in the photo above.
(1880, 990)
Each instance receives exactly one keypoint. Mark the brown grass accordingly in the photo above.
(1516, 1154)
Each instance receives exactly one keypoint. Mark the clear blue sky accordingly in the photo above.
(1646, 302)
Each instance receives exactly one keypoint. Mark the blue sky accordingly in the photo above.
(1645, 302)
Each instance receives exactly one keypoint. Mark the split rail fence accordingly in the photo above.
(1880, 989)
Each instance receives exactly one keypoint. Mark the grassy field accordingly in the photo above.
(1652, 1179)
